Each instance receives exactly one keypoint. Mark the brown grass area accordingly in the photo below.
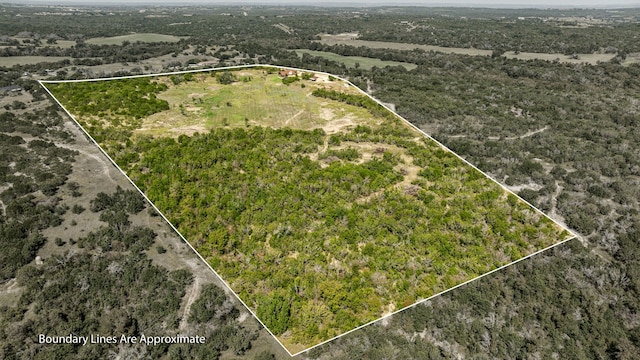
(351, 39)
(579, 59)
(204, 104)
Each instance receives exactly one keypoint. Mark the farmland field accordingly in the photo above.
(351, 61)
(351, 40)
(28, 60)
(580, 58)
(322, 210)
(143, 37)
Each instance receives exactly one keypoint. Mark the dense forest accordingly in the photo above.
(563, 136)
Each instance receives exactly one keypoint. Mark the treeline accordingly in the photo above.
(357, 100)
(124, 97)
(122, 104)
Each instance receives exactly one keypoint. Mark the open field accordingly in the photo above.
(143, 37)
(633, 58)
(63, 44)
(351, 61)
(319, 208)
(265, 102)
(352, 40)
(581, 58)
(28, 60)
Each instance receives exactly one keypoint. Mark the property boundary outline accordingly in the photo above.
(416, 303)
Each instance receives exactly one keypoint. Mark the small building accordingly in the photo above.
(314, 78)
(288, 73)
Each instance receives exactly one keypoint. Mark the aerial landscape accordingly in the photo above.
(321, 209)
(274, 181)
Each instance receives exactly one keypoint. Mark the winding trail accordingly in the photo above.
(293, 117)
(528, 134)
(190, 296)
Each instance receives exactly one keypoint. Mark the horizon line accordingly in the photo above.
(361, 4)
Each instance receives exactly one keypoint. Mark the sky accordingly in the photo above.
(470, 3)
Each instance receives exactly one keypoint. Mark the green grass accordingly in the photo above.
(266, 101)
(351, 61)
(29, 60)
(143, 37)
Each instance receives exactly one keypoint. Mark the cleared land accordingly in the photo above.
(27, 60)
(581, 58)
(320, 209)
(142, 37)
(351, 61)
(352, 40)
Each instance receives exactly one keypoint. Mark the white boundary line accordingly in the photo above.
(436, 295)
(163, 216)
(573, 235)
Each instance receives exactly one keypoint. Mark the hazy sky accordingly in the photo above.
(477, 3)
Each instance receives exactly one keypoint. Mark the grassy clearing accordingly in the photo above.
(633, 58)
(143, 37)
(337, 40)
(351, 61)
(63, 44)
(29, 60)
(579, 59)
(204, 104)
(350, 39)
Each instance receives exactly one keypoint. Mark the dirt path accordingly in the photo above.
(10, 286)
(10, 291)
(530, 133)
(190, 297)
(106, 164)
(89, 149)
(293, 117)
(326, 144)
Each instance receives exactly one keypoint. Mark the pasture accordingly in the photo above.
(30, 60)
(142, 37)
(351, 40)
(351, 61)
